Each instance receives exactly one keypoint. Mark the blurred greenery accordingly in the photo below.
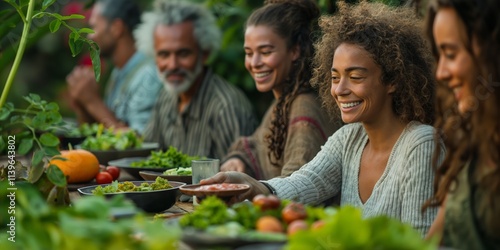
(48, 59)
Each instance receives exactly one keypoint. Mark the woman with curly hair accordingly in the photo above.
(278, 52)
(466, 43)
(375, 63)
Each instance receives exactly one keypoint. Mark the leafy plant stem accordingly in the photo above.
(19, 54)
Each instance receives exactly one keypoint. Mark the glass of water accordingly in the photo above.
(202, 169)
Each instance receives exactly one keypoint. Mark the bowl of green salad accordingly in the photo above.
(108, 144)
(150, 196)
(165, 164)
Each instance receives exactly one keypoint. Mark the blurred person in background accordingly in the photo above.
(466, 43)
(279, 48)
(198, 112)
(133, 86)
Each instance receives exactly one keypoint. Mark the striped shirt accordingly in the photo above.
(399, 193)
(217, 115)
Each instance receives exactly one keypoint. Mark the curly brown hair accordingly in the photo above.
(394, 38)
(292, 20)
(475, 135)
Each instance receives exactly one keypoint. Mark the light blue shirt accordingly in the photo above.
(132, 91)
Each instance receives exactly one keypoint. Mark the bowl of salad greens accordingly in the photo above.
(150, 196)
(108, 145)
(169, 162)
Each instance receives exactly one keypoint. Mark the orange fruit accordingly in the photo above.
(269, 224)
(80, 165)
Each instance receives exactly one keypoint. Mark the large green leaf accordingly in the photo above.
(56, 176)
(25, 146)
(49, 139)
(37, 157)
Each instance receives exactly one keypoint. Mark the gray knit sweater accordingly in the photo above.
(399, 193)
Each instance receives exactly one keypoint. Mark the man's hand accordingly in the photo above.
(82, 85)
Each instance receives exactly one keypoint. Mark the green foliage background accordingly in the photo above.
(48, 59)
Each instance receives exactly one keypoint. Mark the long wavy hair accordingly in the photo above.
(475, 135)
(292, 20)
(395, 41)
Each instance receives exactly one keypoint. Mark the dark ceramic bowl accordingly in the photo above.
(150, 201)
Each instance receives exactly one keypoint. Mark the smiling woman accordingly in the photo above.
(278, 52)
(382, 160)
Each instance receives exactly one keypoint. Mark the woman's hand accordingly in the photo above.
(236, 177)
(233, 164)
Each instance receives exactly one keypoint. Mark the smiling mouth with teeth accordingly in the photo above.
(259, 75)
(349, 105)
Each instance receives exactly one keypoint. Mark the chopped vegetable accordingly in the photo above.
(127, 186)
(178, 171)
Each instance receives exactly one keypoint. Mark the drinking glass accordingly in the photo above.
(202, 169)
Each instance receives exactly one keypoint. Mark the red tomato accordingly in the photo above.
(103, 178)
(114, 171)
(266, 202)
(293, 211)
(297, 225)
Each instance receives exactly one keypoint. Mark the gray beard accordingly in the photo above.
(179, 88)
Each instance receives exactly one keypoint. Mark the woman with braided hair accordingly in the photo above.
(278, 52)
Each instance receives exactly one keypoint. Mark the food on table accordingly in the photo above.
(103, 178)
(265, 202)
(114, 171)
(179, 171)
(108, 139)
(305, 227)
(172, 158)
(269, 223)
(293, 211)
(78, 165)
(127, 186)
(297, 225)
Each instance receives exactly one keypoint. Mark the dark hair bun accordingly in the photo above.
(309, 8)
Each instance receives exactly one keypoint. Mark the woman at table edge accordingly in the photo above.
(381, 161)
(466, 43)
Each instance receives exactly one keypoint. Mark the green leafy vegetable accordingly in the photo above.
(172, 158)
(211, 211)
(108, 139)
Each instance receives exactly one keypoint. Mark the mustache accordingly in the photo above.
(167, 73)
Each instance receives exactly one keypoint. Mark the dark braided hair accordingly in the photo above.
(291, 20)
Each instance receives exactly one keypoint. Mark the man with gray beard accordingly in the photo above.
(197, 112)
